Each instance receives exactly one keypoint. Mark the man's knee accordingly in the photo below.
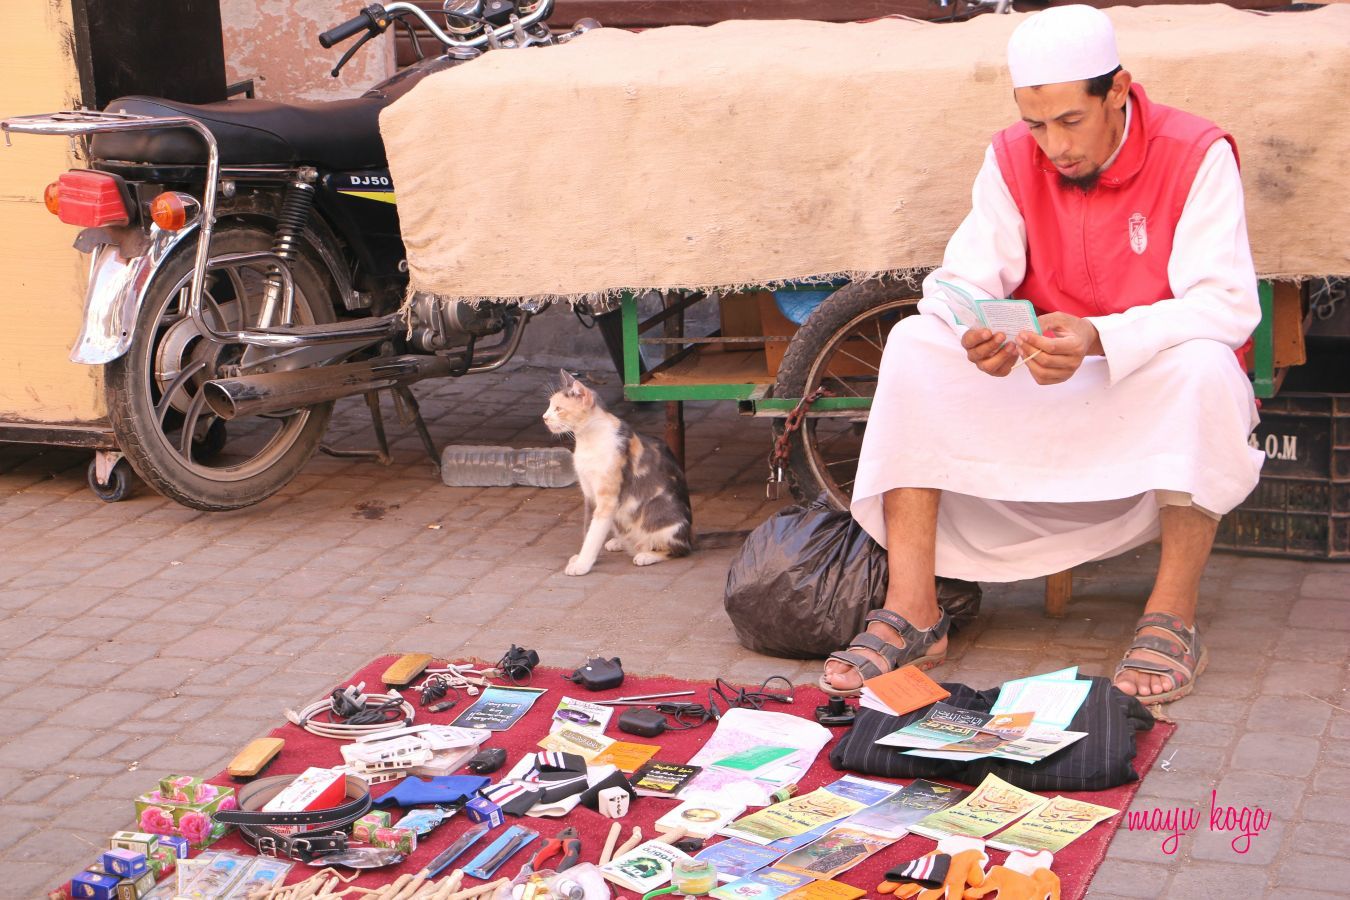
(1199, 361)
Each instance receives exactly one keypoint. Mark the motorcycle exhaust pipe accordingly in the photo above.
(271, 392)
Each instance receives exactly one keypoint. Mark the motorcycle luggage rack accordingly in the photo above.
(81, 123)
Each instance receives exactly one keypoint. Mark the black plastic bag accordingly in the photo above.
(805, 579)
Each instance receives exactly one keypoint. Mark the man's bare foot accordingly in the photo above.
(843, 677)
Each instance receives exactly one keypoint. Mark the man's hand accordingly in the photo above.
(1054, 356)
(993, 353)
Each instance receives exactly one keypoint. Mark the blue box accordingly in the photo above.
(179, 845)
(125, 863)
(93, 886)
(481, 809)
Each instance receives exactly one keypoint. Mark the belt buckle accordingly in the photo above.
(301, 845)
(267, 846)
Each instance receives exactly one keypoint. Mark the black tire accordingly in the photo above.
(217, 472)
(119, 484)
(818, 453)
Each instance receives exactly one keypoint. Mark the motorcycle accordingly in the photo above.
(247, 270)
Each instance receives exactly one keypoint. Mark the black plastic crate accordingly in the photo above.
(1301, 507)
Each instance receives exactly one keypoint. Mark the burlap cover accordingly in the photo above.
(753, 152)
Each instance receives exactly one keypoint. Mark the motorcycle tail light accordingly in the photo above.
(52, 198)
(172, 210)
(90, 199)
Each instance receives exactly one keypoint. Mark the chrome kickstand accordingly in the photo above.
(409, 410)
(381, 455)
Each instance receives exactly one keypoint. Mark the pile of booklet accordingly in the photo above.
(1025, 725)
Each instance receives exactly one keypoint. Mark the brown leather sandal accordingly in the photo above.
(917, 641)
(1186, 656)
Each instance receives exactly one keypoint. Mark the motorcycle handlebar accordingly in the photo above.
(353, 26)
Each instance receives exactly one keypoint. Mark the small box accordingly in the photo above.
(179, 845)
(135, 888)
(94, 886)
(125, 863)
(179, 788)
(190, 820)
(404, 840)
(481, 809)
(363, 829)
(163, 863)
(314, 788)
(139, 841)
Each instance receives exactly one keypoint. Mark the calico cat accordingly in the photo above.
(635, 492)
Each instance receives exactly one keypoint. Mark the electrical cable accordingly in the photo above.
(348, 714)
(722, 696)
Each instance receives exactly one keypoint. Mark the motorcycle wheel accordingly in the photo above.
(839, 347)
(159, 415)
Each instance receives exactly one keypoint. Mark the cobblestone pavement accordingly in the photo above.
(143, 638)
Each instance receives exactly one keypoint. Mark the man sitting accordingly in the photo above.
(1000, 457)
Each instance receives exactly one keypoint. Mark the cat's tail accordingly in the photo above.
(719, 540)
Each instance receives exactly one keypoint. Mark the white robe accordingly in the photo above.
(1039, 478)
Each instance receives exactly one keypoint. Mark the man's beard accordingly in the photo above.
(1084, 183)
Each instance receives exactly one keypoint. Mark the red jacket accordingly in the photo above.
(1106, 250)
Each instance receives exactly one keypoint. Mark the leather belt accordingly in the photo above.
(324, 828)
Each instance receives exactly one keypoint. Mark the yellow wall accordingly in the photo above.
(42, 278)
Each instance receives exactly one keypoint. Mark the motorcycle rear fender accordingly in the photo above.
(120, 273)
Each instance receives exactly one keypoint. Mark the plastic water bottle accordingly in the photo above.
(473, 466)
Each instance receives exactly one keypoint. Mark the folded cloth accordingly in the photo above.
(1099, 761)
(442, 790)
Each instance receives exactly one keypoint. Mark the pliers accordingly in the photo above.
(567, 843)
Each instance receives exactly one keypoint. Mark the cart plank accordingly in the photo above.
(716, 367)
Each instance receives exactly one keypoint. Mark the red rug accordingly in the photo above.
(1074, 865)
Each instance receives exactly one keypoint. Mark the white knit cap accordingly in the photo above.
(1063, 43)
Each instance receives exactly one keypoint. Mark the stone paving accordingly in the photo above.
(143, 638)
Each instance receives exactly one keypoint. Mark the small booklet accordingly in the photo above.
(1012, 317)
(498, 708)
(586, 744)
(991, 806)
(626, 756)
(644, 868)
(755, 760)
(837, 852)
(942, 725)
(1054, 697)
(901, 691)
(765, 884)
(736, 858)
(698, 818)
(1001, 730)
(660, 779)
(894, 815)
(798, 815)
(1037, 744)
(1053, 827)
(580, 715)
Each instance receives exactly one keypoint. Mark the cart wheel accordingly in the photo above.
(118, 487)
(839, 347)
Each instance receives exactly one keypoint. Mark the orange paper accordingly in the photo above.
(627, 756)
(906, 689)
(825, 890)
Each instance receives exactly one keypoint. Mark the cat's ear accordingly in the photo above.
(565, 379)
(573, 387)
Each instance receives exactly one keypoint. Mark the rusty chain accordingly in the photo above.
(778, 456)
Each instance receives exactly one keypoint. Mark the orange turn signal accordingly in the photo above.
(172, 210)
(51, 196)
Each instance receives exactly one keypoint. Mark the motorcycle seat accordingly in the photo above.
(335, 134)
